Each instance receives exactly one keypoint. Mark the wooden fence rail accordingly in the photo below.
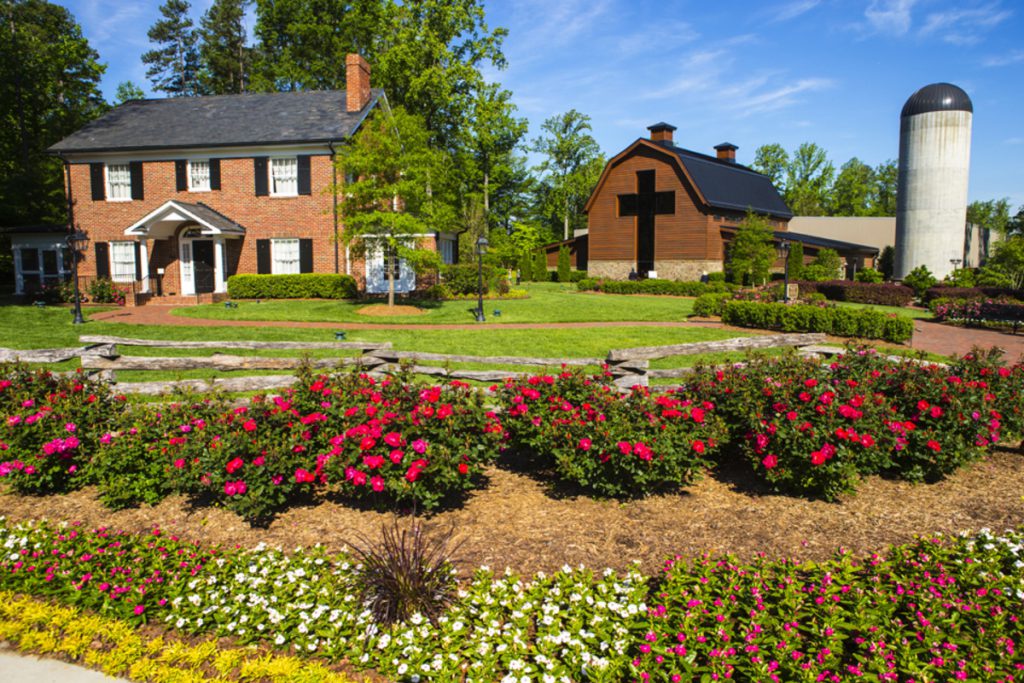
(628, 367)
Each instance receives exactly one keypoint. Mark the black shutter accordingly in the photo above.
(138, 262)
(102, 260)
(99, 190)
(135, 169)
(214, 174)
(303, 173)
(181, 175)
(305, 256)
(259, 167)
(263, 257)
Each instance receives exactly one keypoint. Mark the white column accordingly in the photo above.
(218, 265)
(144, 257)
(19, 279)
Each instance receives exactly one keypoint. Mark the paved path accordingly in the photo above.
(18, 668)
(928, 336)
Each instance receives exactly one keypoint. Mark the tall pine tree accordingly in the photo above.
(226, 58)
(174, 65)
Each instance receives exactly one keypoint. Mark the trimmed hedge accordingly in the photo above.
(945, 292)
(662, 287)
(840, 322)
(976, 312)
(881, 294)
(574, 276)
(299, 286)
(710, 305)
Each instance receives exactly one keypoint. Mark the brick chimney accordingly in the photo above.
(662, 133)
(727, 152)
(357, 82)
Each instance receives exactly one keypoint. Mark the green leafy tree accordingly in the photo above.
(869, 275)
(389, 200)
(302, 44)
(49, 88)
(564, 264)
(752, 251)
(127, 91)
(773, 161)
(540, 266)
(993, 214)
(795, 260)
(884, 197)
(491, 135)
(809, 181)
(829, 262)
(226, 58)
(1016, 224)
(853, 192)
(1008, 260)
(571, 167)
(174, 63)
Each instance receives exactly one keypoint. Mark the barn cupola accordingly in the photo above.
(661, 133)
(727, 152)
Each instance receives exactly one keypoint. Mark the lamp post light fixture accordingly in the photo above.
(784, 250)
(76, 241)
(481, 249)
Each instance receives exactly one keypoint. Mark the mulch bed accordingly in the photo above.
(518, 521)
(384, 311)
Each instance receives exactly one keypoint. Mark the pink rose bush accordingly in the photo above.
(606, 442)
(49, 427)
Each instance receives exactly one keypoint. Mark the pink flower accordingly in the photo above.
(249, 426)
(367, 443)
(625, 447)
(230, 489)
(139, 609)
(770, 461)
(304, 477)
(584, 444)
(377, 484)
(396, 456)
(106, 438)
(393, 439)
(13, 420)
(412, 474)
(420, 446)
(179, 463)
(359, 478)
(258, 461)
(234, 465)
(71, 427)
(642, 451)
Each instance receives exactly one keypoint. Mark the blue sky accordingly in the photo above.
(834, 72)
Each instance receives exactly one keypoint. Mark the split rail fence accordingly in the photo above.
(102, 355)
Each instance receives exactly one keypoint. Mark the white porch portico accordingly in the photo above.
(200, 233)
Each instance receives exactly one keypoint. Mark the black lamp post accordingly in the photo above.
(784, 249)
(76, 241)
(481, 249)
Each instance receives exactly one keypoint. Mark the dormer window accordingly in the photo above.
(199, 176)
(284, 177)
(119, 182)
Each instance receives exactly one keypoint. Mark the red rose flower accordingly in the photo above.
(463, 468)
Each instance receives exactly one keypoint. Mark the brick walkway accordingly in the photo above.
(928, 336)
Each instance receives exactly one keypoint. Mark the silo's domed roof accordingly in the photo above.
(937, 97)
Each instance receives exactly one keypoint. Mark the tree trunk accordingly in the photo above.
(487, 196)
(565, 220)
(391, 282)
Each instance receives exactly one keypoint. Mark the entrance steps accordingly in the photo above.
(180, 300)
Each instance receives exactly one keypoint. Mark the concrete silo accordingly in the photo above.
(935, 154)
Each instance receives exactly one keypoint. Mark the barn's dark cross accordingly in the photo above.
(645, 205)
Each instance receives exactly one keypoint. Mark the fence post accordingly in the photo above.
(629, 372)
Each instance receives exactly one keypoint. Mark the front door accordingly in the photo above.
(202, 266)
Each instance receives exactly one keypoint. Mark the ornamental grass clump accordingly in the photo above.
(408, 571)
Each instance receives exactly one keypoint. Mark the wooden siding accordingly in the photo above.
(683, 235)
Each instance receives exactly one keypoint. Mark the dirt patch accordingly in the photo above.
(385, 311)
(519, 521)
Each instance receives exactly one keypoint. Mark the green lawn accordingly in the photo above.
(548, 303)
(898, 310)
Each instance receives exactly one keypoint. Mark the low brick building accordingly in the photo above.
(178, 194)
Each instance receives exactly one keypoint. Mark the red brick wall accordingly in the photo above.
(308, 216)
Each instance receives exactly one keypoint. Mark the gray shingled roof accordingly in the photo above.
(727, 185)
(220, 121)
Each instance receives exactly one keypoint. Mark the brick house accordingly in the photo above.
(179, 194)
(659, 210)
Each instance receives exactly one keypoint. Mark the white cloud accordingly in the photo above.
(1014, 141)
(1012, 57)
(680, 33)
(782, 96)
(890, 16)
(964, 26)
(793, 9)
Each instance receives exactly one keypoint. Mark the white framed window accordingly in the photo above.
(119, 183)
(122, 261)
(284, 177)
(199, 176)
(284, 256)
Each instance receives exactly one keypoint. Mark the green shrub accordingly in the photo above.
(103, 291)
(464, 278)
(438, 292)
(540, 266)
(795, 260)
(661, 287)
(865, 324)
(961, 277)
(869, 275)
(716, 277)
(920, 279)
(878, 293)
(564, 263)
(710, 305)
(816, 273)
(296, 286)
